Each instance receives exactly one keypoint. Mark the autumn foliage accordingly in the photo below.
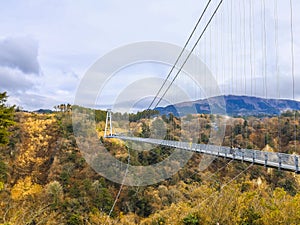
(44, 178)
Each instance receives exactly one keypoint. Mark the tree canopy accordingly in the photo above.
(6, 118)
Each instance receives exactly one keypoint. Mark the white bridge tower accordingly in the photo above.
(108, 124)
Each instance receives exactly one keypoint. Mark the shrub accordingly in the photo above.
(74, 219)
(191, 220)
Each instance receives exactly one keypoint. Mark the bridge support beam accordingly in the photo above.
(266, 159)
(279, 162)
(296, 164)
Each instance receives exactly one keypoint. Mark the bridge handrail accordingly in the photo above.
(274, 159)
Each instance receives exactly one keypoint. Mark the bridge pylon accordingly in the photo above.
(108, 124)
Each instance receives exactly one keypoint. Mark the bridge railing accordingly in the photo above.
(273, 159)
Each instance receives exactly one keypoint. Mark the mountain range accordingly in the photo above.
(234, 106)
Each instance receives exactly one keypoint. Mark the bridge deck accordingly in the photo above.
(268, 159)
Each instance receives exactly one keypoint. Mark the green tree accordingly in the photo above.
(3, 171)
(6, 119)
(74, 219)
(55, 190)
(191, 220)
(145, 131)
(102, 199)
(250, 216)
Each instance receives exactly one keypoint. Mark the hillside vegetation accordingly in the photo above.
(44, 178)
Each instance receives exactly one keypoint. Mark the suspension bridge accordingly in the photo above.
(243, 72)
(282, 161)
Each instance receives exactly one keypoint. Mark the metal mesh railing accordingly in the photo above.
(273, 159)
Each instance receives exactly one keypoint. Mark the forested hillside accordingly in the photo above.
(45, 180)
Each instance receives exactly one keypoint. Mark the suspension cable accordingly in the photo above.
(121, 187)
(205, 28)
(231, 48)
(276, 47)
(238, 56)
(173, 67)
(277, 70)
(265, 48)
(293, 70)
(292, 47)
(250, 36)
(244, 40)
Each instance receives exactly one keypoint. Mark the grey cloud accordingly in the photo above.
(20, 53)
(14, 80)
(30, 101)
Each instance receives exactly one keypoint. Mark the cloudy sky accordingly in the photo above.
(46, 47)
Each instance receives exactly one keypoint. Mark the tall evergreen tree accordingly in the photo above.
(6, 118)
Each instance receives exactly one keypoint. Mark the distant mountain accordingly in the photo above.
(235, 106)
(44, 111)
